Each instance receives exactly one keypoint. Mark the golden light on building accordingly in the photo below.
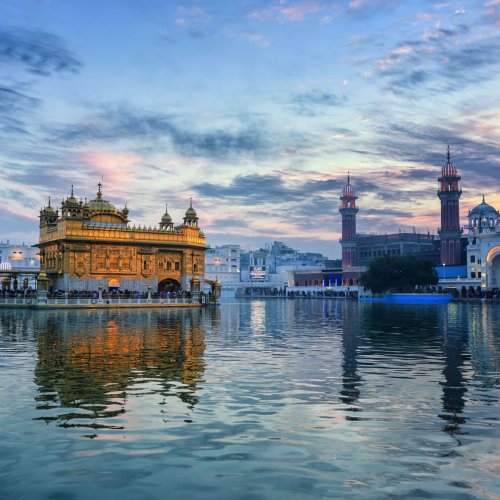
(90, 244)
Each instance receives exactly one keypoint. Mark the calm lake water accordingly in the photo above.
(254, 399)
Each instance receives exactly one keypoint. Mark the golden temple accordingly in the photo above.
(87, 245)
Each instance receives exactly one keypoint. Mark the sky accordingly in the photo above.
(255, 109)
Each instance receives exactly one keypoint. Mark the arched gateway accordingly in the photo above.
(169, 285)
(493, 267)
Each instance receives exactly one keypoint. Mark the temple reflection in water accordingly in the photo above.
(91, 364)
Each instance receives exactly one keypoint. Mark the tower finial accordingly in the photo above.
(71, 189)
(190, 202)
(483, 199)
(448, 154)
(348, 177)
(99, 189)
(49, 201)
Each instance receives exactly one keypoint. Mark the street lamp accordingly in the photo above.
(444, 271)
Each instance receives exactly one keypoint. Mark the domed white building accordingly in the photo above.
(483, 249)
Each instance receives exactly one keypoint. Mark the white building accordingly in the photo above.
(483, 249)
(19, 257)
(223, 263)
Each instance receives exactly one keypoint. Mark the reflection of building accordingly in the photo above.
(351, 381)
(91, 244)
(456, 354)
(86, 376)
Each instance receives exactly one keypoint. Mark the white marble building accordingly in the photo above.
(483, 249)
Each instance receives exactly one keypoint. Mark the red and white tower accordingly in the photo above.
(349, 210)
(449, 193)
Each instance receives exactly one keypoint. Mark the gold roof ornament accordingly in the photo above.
(191, 212)
(100, 204)
(49, 208)
(166, 219)
(72, 200)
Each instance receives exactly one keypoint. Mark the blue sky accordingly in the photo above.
(256, 109)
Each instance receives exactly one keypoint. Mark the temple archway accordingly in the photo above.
(169, 285)
(493, 268)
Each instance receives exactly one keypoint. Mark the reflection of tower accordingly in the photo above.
(455, 350)
(348, 210)
(449, 194)
(349, 393)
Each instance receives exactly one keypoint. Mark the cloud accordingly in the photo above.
(316, 101)
(443, 60)
(290, 12)
(12, 101)
(253, 38)
(120, 122)
(39, 52)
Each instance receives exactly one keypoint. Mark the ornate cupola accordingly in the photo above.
(349, 210)
(166, 220)
(48, 216)
(71, 207)
(191, 218)
(449, 193)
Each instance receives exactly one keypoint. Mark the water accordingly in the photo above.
(256, 399)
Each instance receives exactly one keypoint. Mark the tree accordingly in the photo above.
(401, 274)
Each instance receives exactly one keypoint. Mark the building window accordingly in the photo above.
(195, 268)
(169, 266)
(177, 266)
(473, 274)
(472, 258)
(479, 274)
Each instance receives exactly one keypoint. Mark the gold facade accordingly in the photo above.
(87, 245)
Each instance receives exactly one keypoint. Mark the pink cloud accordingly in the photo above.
(113, 166)
(293, 13)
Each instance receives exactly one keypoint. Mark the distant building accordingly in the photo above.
(450, 232)
(359, 249)
(483, 251)
(19, 257)
(223, 264)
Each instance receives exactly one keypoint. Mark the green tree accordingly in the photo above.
(400, 274)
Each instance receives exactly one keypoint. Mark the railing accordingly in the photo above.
(93, 301)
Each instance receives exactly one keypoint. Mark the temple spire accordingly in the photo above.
(448, 154)
(71, 189)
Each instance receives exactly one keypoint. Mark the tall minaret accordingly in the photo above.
(449, 193)
(348, 210)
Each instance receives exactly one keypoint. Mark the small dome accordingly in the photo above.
(191, 212)
(448, 170)
(484, 209)
(72, 200)
(49, 209)
(166, 219)
(348, 189)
